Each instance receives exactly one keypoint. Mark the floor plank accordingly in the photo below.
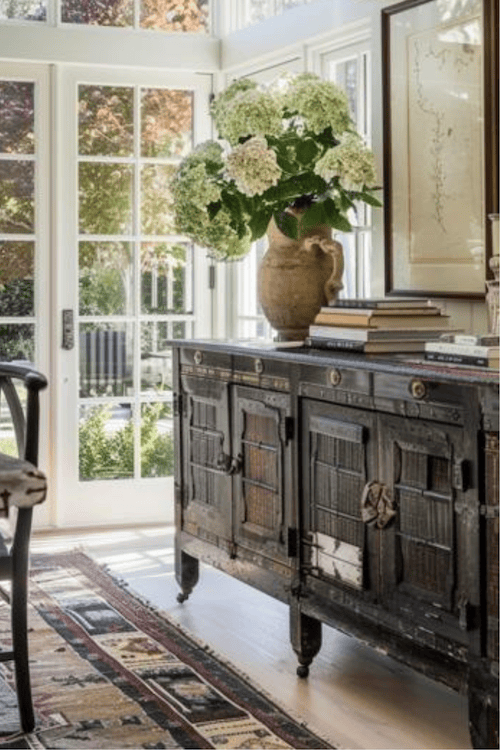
(355, 696)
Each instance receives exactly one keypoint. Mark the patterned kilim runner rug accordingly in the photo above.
(108, 671)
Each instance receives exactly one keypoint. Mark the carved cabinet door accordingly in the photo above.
(428, 569)
(206, 459)
(262, 481)
(339, 459)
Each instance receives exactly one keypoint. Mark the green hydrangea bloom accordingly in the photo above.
(223, 100)
(195, 186)
(320, 103)
(251, 112)
(351, 161)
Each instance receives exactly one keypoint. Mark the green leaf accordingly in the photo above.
(370, 199)
(334, 217)
(213, 209)
(314, 215)
(306, 150)
(258, 224)
(345, 202)
(231, 202)
(288, 224)
(305, 183)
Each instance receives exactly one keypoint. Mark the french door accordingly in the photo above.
(126, 285)
(94, 281)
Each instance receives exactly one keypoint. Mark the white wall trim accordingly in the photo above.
(94, 45)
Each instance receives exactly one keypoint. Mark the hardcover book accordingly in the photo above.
(463, 359)
(375, 334)
(381, 303)
(366, 347)
(378, 318)
(466, 350)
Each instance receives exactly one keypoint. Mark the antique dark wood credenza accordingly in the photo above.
(362, 492)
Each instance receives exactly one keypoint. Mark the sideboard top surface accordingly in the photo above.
(413, 366)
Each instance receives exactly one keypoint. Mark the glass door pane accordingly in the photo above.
(135, 279)
(17, 220)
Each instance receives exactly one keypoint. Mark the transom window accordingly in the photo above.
(161, 15)
(249, 12)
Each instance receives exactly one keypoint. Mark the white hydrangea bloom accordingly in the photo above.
(253, 166)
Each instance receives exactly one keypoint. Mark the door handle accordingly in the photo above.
(68, 329)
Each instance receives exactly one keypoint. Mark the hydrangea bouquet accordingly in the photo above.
(291, 146)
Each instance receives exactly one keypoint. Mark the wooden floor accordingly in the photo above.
(354, 696)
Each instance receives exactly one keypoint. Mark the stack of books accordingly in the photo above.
(378, 325)
(464, 350)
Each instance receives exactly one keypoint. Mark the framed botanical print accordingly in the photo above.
(440, 173)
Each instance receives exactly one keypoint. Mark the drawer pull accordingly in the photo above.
(418, 389)
(335, 376)
(259, 366)
(198, 357)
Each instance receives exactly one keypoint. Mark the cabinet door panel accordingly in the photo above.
(337, 449)
(422, 464)
(207, 454)
(262, 483)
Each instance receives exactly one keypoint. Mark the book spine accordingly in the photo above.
(359, 303)
(318, 342)
(482, 340)
(338, 333)
(446, 347)
(457, 359)
(382, 304)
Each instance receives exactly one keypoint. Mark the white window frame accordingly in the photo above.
(39, 76)
(353, 42)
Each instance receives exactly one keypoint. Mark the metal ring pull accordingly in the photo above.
(228, 465)
(377, 505)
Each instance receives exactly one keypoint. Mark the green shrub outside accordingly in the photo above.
(110, 455)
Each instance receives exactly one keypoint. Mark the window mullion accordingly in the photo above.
(137, 280)
(54, 12)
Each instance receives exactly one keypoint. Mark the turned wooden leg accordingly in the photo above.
(186, 573)
(305, 636)
(483, 708)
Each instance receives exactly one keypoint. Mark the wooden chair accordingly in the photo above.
(23, 486)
